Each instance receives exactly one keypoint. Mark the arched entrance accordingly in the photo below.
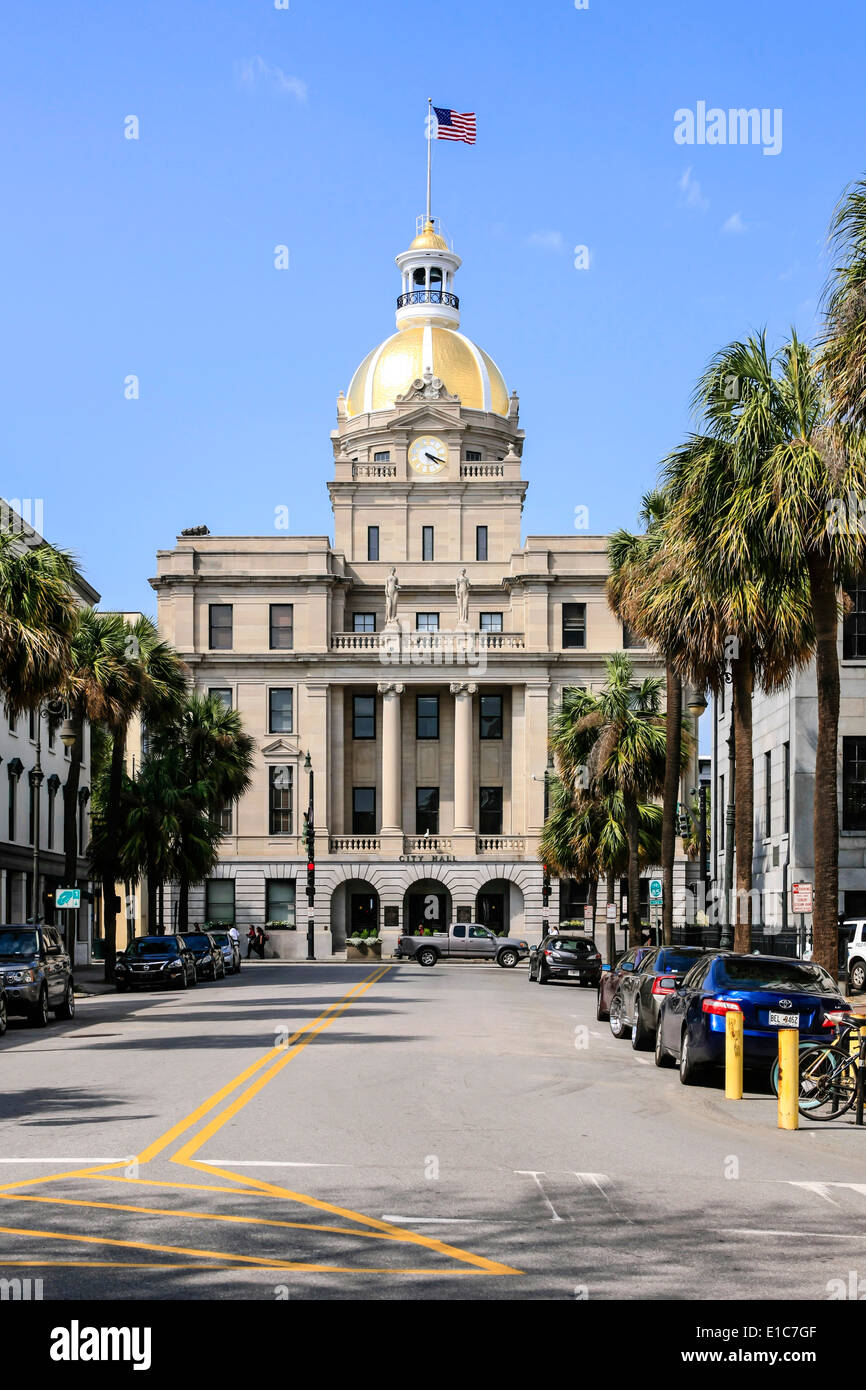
(354, 907)
(426, 903)
(499, 906)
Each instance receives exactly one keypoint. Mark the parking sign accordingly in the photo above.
(655, 892)
(801, 897)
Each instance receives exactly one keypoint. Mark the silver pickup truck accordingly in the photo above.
(465, 941)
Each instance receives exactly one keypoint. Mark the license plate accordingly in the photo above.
(784, 1020)
(574, 972)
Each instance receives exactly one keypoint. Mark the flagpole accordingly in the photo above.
(429, 152)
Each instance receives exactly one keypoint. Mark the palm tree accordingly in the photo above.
(154, 685)
(761, 626)
(844, 348)
(37, 616)
(214, 766)
(613, 740)
(635, 564)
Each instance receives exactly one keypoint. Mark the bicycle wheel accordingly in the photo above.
(828, 1082)
(774, 1069)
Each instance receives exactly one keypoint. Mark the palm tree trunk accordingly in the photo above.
(825, 917)
(611, 922)
(70, 807)
(670, 802)
(632, 826)
(744, 794)
(593, 901)
(111, 873)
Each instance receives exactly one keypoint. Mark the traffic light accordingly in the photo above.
(311, 881)
(545, 887)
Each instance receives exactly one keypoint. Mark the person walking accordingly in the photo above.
(261, 938)
(252, 942)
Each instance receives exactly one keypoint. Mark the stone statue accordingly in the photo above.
(392, 590)
(461, 588)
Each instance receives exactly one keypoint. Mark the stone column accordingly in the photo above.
(464, 820)
(392, 758)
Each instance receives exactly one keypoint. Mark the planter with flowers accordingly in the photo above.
(364, 945)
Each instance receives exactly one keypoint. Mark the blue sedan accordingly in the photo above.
(771, 992)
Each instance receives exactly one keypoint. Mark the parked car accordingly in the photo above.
(565, 956)
(465, 941)
(855, 931)
(635, 1007)
(209, 964)
(3, 1011)
(155, 962)
(230, 949)
(36, 973)
(771, 992)
(610, 980)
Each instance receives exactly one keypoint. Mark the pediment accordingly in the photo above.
(426, 416)
(280, 745)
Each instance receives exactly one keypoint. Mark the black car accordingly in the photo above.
(562, 956)
(209, 962)
(634, 1008)
(155, 962)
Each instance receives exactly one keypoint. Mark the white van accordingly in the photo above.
(855, 929)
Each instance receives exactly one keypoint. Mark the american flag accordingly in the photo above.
(455, 125)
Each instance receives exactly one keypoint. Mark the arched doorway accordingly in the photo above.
(354, 908)
(426, 903)
(499, 906)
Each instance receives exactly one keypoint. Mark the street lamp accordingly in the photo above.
(310, 837)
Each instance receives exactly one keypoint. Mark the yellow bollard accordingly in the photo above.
(734, 1056)
(789, 1078)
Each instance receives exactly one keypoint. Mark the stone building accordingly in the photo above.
(416, 658)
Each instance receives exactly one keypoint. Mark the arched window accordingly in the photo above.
(419, 279)
(435, 278)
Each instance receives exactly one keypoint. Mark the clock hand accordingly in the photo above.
(434, 457)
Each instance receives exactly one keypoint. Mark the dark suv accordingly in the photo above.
(155, 962)
(565, 956)
(37, 973)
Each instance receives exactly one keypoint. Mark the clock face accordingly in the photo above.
(428, 454)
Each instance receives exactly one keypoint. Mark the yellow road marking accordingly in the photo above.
(143, 1245)
(213, 1101)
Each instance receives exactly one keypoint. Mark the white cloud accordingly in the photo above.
(256, 71)
(547, 241)
(735, 226)
(690, 192)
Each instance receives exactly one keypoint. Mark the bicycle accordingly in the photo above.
(829, 1073)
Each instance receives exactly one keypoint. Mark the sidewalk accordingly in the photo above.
(90, 979)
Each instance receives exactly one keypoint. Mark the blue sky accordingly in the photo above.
(305, 127)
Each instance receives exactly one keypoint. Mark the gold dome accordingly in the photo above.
(428, 240)
(465, 369)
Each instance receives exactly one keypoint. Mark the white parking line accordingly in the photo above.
(266, 1163)
(525, 1173)
(124, 1158)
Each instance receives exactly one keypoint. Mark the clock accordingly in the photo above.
(427, 454)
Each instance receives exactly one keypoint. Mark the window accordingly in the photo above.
(219, 901)
(372, 542)
(854, 624)
(426, 622)
(491, 622)
(33, 804)
(224, 818)
(490, 811)
(220, 627)
(221, 692)
(720, 815)
(281, 800)
(363, 716)
(32, 724)
(280, 902)
(83, 798)
(491, 716)
(53, 788)
(382, 456)
(426, 810)
(630, 639)
(363, 622)
(786, 749)
(426, 542)
(768, 794)
(854, 783)
(363, 810)
(281, 711)
(427, 716)
(481, 542)
(282, 627)
(574, 625)
(473, 455)
(13, 798)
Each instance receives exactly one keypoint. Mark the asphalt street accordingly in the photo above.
(390, 1132)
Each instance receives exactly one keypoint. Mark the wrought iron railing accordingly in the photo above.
(429, 297)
